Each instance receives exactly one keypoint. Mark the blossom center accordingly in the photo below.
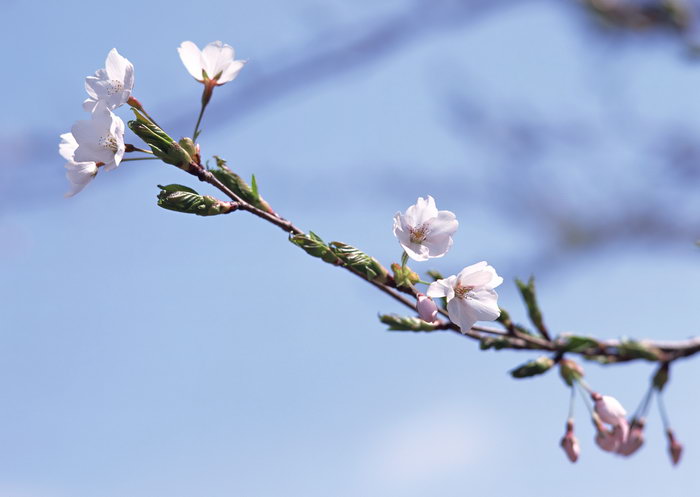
(114, 87)
(419, 233)
(464, 292)
(108, 143)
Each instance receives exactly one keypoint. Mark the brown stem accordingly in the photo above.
(670, 351)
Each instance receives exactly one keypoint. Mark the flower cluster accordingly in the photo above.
(98, 142)
(424, 233)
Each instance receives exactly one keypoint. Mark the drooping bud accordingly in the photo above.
(608, 440)
(570, 443)
(570, 371)
(180, 198)
(610, 411)
(675, 449)
(635, 439)
(163, 147)
(427, 309)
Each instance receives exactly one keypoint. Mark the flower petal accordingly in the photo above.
(231, 71)
(192, 59)
(461, 314)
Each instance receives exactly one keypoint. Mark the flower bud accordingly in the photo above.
(570, 371)
(675, 449)
(570, 443)
(609, 409)
(190, 147)
(163, 147)
(606, 439)
(427, 310)
(635, 439)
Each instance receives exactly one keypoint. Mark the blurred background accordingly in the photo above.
(145, 352)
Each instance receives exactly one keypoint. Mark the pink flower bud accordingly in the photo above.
(608, 440)
(675, 449)
(570, 443)
(635, 439)
(427, 309)
(609, 409)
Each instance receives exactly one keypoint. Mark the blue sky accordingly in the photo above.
(146, 353)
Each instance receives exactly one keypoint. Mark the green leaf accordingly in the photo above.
(181, 198)
(313, 245)
(238, 185)
(254, 188)
(435, 275)
(633, 348)
(355, 259)
(527, 291)
(576, 343)
(405, 323)
(532, 368)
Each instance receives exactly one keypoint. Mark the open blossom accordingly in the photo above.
(112, 85)
(214, 62)
(78, 173)
(423, 231)
(100, 139)
(427, 309)
(470, 295)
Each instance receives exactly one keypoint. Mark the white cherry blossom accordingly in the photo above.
(610, 411)
(423, 231)
(470, 295)
(111, 85)
(79, 174)
(100, 139)
(215, 62)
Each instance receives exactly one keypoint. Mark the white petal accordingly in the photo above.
(192, 59)
(89, 104)
(444, 223)
(67, 146)
(442, 288)
(461, 314)
(484, 304)
(230, 73)
(79, 174)
(216, 57)
(437, 246)
(416, 251)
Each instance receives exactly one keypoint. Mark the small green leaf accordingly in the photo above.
(435, 275)
(633, 348)
(576, 343)
(405, 323)
(527, 291)
(254, 188)
(532, 368)
(313, 245)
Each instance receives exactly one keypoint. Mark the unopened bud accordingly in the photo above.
(189, 146)
(608, 440)
(570, 371)
(162, 145)
(532, 368)
(675, 449)
(570, 443)
(635, 439)
(427, 309)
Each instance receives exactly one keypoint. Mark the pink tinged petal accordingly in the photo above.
(634, 441)
(606, 440)
(230, 73)
(191, 57)
(423, 210)
(474, 268)
(427, 309)
(442, 288)
(416, 251)
(484, 305)
(444, 224)
(609, 410)
(461, 314)
(89, 104)
(79, 174)
(438, 245)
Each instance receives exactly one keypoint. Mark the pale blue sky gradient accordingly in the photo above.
(147, 353)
